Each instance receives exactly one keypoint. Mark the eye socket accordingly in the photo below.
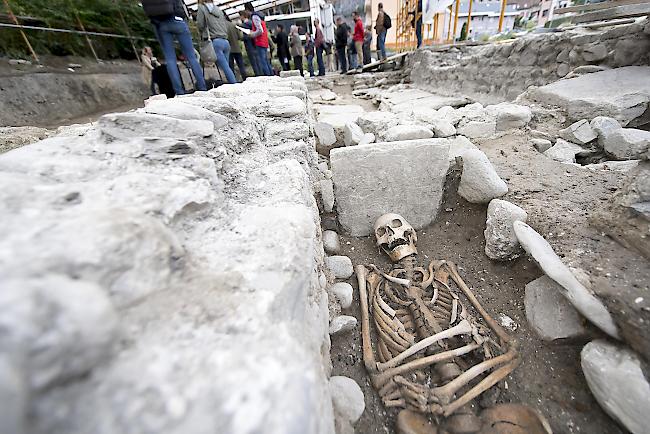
(381, 231)
(395, 223)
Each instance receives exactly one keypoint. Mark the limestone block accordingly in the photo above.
(367, 139)
(352, 133)
(594, 52)
(615, 376)
(129, 125)
(628, 144)
(178, 110)
(342, 324)
(602, 126)
(347, 398)
(549, 313)
(479, 182)
(331, 243)
(407, 132)
(277, 132)
(404, 177)
(457, 146)
(340, 266)
(282, 106)
(343, 293)
(563, 151)
(327, 194)
(325, 134)
(509, 115)
(500, 240)
(63, 327)
(442, 128)
(542, 145)
(579, 132)
(477, 129)
(377, 122)
(450, 114)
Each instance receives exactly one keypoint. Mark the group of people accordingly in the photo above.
(169, 19)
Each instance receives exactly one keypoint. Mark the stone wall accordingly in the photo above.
(493, 72)
(161, 271)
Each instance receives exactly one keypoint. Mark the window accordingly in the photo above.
(545, 12)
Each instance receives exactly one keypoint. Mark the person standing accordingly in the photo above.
(309, 53)
(319, 42)
(260, 37)
(246, 23)
(381, 29)
(168, 18)
(282, 46)
(212, 25)
(357, 37)
(234, 38)
(367, 40)
(341, 42)
(297, 51)
(149, 63)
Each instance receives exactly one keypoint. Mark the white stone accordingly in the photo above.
(325, 133)
(130, 125)
(442, 128)
(477, 129)
(338, 115)
(372, 180)
(14, 393)
(549, 313)
(563, 151)
(291, 73)
(604, 125)
(177, 109)
(628, 144)
(377, 122)
(347, 398)
(331, 242)
(342, 324)
(509, 116)
(279, 132)
(479, 182)
(327, 95)
(282, 106)
(407, 132)
(450, 114)
(615, 377)
(457, 146)
(343, 293)
(579, 132)
(340, 266)
(367, 139)
(542, 145)
(581, 298)
(327, 194)
(352, 134)
(500, 240)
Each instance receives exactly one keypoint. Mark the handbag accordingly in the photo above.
(208, 54)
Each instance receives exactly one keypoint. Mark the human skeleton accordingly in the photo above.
(436, 348)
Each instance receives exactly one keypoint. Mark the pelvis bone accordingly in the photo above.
(428, 344)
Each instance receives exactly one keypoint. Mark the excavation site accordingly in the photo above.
(451, 239)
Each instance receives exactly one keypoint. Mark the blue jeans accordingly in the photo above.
(319, 60)
(237, 57)
(418, 32)
(222, 50)
(381, 44)
(343, 61)
(310, 65)
(263, 60)
(166, 31)
(252, 58)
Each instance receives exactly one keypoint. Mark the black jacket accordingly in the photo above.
(163, 9)
(341, 36)
(282, 42)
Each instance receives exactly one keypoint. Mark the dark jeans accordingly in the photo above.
(343, 60)
(297, 64)
(237, 57)
(252, 58)
(284, 61)
(381, 45)
(310, 64)
(168, 30)
(263, 60)
(319, 60)
(418, 32)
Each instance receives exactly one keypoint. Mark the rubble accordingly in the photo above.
(327, 194)
(603, 125)
(579, 132)
(500, 240)
(352, 133)
(563, 151)
(477, 129)
(325, 134)
(509, 116)
(367, 139)
(479, 182)
(125, 126)
(542, 145)
(342, 324)
(628, 144)
(377, 122)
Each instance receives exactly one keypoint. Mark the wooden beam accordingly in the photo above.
(456, 19)
(469, 20)
(22, 32)
(503, 12)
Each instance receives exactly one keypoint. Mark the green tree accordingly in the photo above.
(463, 32)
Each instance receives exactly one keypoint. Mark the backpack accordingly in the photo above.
(157, 8)
(387, 22)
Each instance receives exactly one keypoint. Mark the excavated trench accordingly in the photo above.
(549, 377)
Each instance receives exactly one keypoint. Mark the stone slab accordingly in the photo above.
(402, 177)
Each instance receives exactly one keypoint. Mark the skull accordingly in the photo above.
(395, 236)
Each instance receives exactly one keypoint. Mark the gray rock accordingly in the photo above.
(343, 293)
(627, 144)
(457, 146)
(479, 182)
(603, 125)
(367, 139)
(279, 132)
(615, 377)
(500, 240)
(407, 132)
(563, 151)
(377, 122)
(292, 73)
(352, 134)
(129, 125)
(340, 266)
(588, 69)
(342, 324)
(477, 129)
(579, 132)
(14, 393)
(594, 52)
(542, 145)
(282, 106)
(562, 69)
(347, 398)
(509, 116)
(327, 194)
(442, 128)
(331, 243)
(370, 182)
(325, 133)
(179, 110)
(549, 313)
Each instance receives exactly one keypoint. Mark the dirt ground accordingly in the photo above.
(559, 200)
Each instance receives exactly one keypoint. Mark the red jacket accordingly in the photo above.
(358, 31)
(261, 40)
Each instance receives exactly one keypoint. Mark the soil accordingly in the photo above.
(559, 199)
